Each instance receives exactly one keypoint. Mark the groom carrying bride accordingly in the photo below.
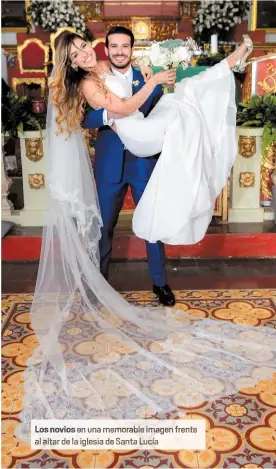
(116, 168)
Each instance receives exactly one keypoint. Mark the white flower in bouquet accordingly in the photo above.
(154, 52)
(181, 54)
(164, 59)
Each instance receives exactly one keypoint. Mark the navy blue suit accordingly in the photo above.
(116, 169)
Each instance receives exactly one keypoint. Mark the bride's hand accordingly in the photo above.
(166, 77)
(146, 71)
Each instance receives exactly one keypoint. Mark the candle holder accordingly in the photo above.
(206, 48)
(38, 106)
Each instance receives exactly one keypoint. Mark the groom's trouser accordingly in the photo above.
(111, 197)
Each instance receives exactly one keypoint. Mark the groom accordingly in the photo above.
(116, 168)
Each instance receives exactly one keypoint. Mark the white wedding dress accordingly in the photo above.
(99, 356)
(195, 131)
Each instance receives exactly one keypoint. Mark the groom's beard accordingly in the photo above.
(119, 66)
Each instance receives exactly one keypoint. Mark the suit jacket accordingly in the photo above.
(109, 157)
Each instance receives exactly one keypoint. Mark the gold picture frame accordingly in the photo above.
(18, 29)
(258, 7)
(141, 28)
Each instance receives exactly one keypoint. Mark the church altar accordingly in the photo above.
(29, 54)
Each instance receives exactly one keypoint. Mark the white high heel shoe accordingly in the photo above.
(241, 63)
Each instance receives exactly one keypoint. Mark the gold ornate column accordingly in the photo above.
(245, 179)
(34, 173)
(268, 165)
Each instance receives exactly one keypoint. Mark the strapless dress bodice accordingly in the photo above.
(118, 85)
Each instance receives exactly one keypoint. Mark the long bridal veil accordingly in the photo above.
(97, 355)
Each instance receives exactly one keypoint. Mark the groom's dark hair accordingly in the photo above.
(120, 30)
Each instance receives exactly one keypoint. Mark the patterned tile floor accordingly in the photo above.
(241, 429)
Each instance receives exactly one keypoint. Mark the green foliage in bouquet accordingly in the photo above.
(260, 112)
(172, 44)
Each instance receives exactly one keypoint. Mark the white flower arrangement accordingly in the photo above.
(169, 54)
(219, 16)
(52, 15)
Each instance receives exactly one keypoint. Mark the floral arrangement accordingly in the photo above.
(169, 54)
(218, 17)
(17, 115)
(52, 15)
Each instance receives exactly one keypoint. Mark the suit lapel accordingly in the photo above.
(137, 81)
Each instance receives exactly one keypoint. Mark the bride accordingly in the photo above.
(99, 356)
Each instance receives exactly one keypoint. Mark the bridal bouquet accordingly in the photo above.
(171, 53)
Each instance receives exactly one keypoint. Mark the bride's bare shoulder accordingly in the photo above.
(91, 88)
(105, 66)
(89, 85)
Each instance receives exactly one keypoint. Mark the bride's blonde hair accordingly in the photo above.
(67, 95)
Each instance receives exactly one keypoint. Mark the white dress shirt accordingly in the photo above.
(128, 75)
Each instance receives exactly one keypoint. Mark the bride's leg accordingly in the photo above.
(237, 60)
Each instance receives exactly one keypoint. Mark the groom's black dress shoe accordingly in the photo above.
(165, 295)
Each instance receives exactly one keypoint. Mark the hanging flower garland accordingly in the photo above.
(218, 17)
(52, 15)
